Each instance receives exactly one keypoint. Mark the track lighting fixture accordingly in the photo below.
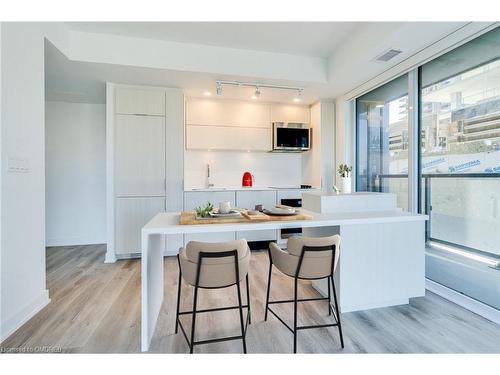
(256, 95)
(258, 87)
(298, 98)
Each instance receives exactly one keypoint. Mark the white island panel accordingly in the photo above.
(353, 202)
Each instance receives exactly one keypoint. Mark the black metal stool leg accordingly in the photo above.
(191, 347)
(329, 298)
(178, 298)
(268, 289)
(337, 312)
(295, 317)
(241, 318)
(249, 312)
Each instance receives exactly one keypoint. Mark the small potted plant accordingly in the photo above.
(203, 212)
(345, 173)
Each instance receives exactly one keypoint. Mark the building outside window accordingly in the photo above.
(382, 140)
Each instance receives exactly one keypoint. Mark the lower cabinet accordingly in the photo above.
(131, 214)
(248, 199)
(195, 199)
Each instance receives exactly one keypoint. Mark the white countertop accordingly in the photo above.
(253, 188)
(168, 222)
(334, 194)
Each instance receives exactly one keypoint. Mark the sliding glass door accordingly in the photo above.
(382, 140)
(460, 148)
(459, 160)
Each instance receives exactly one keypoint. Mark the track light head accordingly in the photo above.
(218, 88)
(256, 94)
(298, 98)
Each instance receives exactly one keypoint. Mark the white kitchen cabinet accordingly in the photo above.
(234, 113)
(140, 101)
(139, 155)
(193, 199)
(198, 198)
(248, 199)
(131, 214)
(174, 125)
(289, 194)
(290, 113)
(144, 163)
(228, 138)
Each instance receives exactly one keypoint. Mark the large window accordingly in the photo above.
(460, 148)
(382, 140)
(459, 161)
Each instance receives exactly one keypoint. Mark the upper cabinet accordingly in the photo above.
(227, 138)
(138, 101)
(210, 112)
(218, 124)
(290, 113)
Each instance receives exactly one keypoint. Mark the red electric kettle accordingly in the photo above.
(247, 180)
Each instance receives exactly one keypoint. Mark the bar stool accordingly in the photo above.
(213, 266)
(306, 258)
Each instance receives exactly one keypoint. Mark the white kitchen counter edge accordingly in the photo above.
(168, 222)
(222, 189)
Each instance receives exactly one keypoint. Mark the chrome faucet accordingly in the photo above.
(208, 183)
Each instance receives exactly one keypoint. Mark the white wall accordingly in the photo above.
(227, 167)
(311, 160)
(23, 290)
(75, 173)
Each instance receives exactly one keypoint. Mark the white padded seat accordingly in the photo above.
(315, 265)
(214, 272)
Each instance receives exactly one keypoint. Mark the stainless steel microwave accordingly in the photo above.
(291, 137)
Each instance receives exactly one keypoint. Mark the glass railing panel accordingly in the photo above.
(466, 211)
(397, 185)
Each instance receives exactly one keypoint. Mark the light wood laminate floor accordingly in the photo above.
(96, 307)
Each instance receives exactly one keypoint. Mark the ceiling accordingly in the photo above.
(84, 82)
(347, 47)
(316, 39)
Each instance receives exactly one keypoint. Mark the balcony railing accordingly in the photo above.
(463, 209)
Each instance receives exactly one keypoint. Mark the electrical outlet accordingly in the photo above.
(18, 165)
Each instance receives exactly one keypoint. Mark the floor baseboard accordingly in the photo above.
(110, 257)
(135, 256)
(12, 324)
(73, 241)
(464, 301)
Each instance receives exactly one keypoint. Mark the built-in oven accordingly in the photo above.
(289, 232)
(291, 137)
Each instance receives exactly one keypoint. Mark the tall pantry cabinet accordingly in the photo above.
(144, 139)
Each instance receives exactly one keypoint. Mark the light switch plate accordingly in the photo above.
(18, 165)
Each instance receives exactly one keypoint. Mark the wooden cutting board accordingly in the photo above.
(299, 216)
(189, 218)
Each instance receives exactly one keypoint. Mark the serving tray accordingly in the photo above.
(189, 218)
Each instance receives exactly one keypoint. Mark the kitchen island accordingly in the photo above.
(381, 263)
(411, 255)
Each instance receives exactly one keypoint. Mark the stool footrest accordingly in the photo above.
(214, 309)
(209, 341)
(299, 300)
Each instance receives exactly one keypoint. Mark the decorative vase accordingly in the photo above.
(346, 185)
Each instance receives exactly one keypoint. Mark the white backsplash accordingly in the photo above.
(227, 168)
